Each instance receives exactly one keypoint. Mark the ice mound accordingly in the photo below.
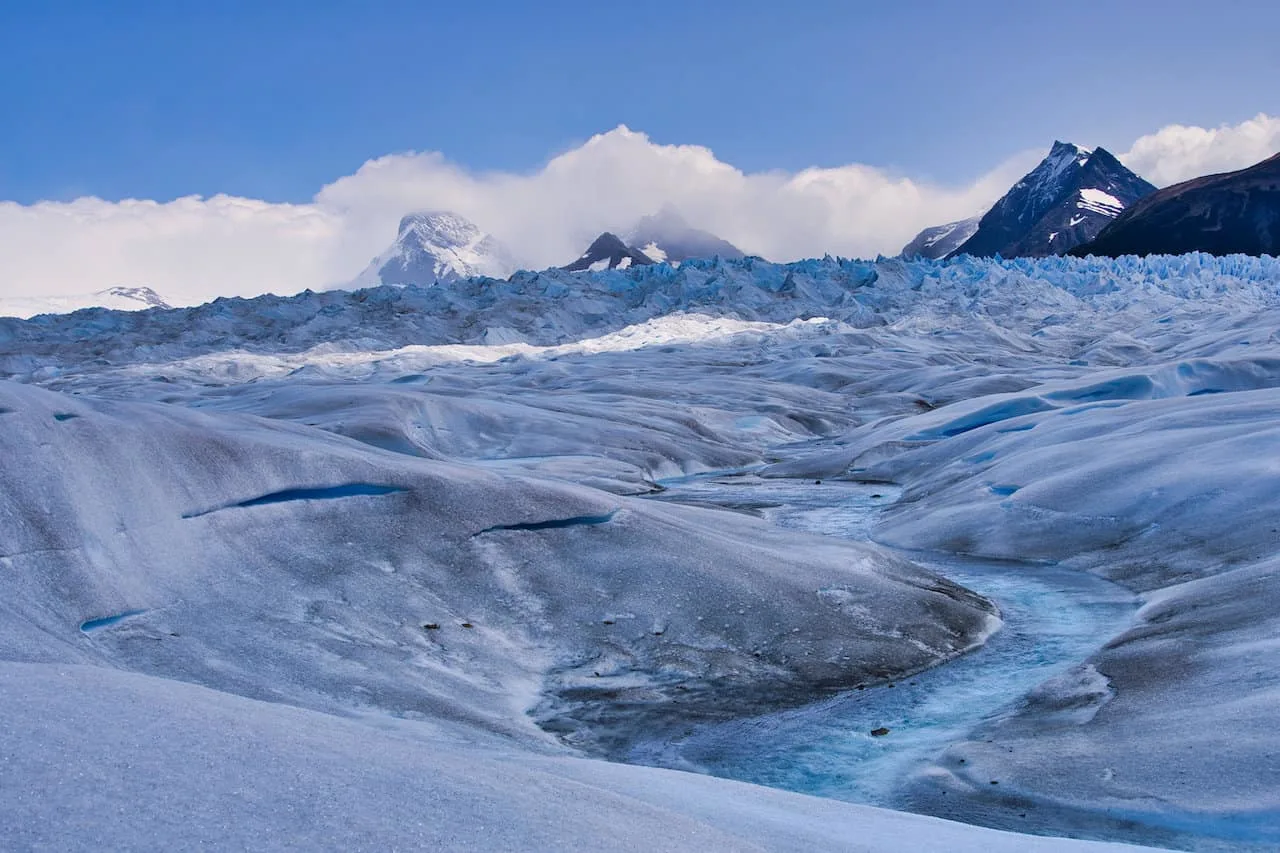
(287, 564)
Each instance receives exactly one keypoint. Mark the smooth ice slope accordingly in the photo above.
(101, 759)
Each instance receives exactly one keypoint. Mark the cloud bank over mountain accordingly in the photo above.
(1178, 153)
(193, 249)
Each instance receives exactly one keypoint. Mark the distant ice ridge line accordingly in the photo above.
(554, 307)
(236, 366)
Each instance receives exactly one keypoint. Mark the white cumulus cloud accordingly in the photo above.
(615, 178)
(1178, 152)
(194, 249)
(190, 249)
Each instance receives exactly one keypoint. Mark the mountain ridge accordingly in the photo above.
(938, 241)
(608, 252)
(1067, 199)
(1221, 214)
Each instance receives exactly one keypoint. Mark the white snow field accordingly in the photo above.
(383, 569)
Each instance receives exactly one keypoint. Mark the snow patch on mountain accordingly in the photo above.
(653, 250)
(1100, 202)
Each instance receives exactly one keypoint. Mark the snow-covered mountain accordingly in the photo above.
(1066, 200)
(114, 298)
(939, 241)
(609, 252)
(437, 246)
(665, 236)
(1236, 212)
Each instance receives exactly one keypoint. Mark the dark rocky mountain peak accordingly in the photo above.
(666, 236)
(1066, 200)
(608, 251)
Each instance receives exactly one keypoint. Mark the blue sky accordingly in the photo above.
(274, 100)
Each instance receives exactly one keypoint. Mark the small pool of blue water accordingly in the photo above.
(1053, 619)
(107, 621)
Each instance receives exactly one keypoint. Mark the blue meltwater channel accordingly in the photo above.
(1053, 619)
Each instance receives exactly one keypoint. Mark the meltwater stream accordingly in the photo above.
(1053, 618)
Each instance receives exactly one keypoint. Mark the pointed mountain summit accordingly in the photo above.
(941, 240)
(1065, 201)
(437, 246)
(665, 236)
(608, 252)
(1226, 214)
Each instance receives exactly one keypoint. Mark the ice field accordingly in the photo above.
(446, 566)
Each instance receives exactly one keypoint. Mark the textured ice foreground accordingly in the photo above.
(296, 516)
(288, 564)
(1053, 618)
(297, 568)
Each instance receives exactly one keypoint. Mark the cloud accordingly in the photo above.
(193, 249)
(615, 178)
(190, 249)
(1178, 152)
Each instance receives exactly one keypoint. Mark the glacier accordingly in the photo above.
(417, 540)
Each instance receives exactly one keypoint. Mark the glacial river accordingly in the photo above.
(1053, 618)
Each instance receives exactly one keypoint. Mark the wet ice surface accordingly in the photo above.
(1053, 619)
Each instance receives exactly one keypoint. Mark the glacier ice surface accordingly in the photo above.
(1106, 417)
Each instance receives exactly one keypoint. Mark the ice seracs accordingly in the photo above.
(435, 247)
